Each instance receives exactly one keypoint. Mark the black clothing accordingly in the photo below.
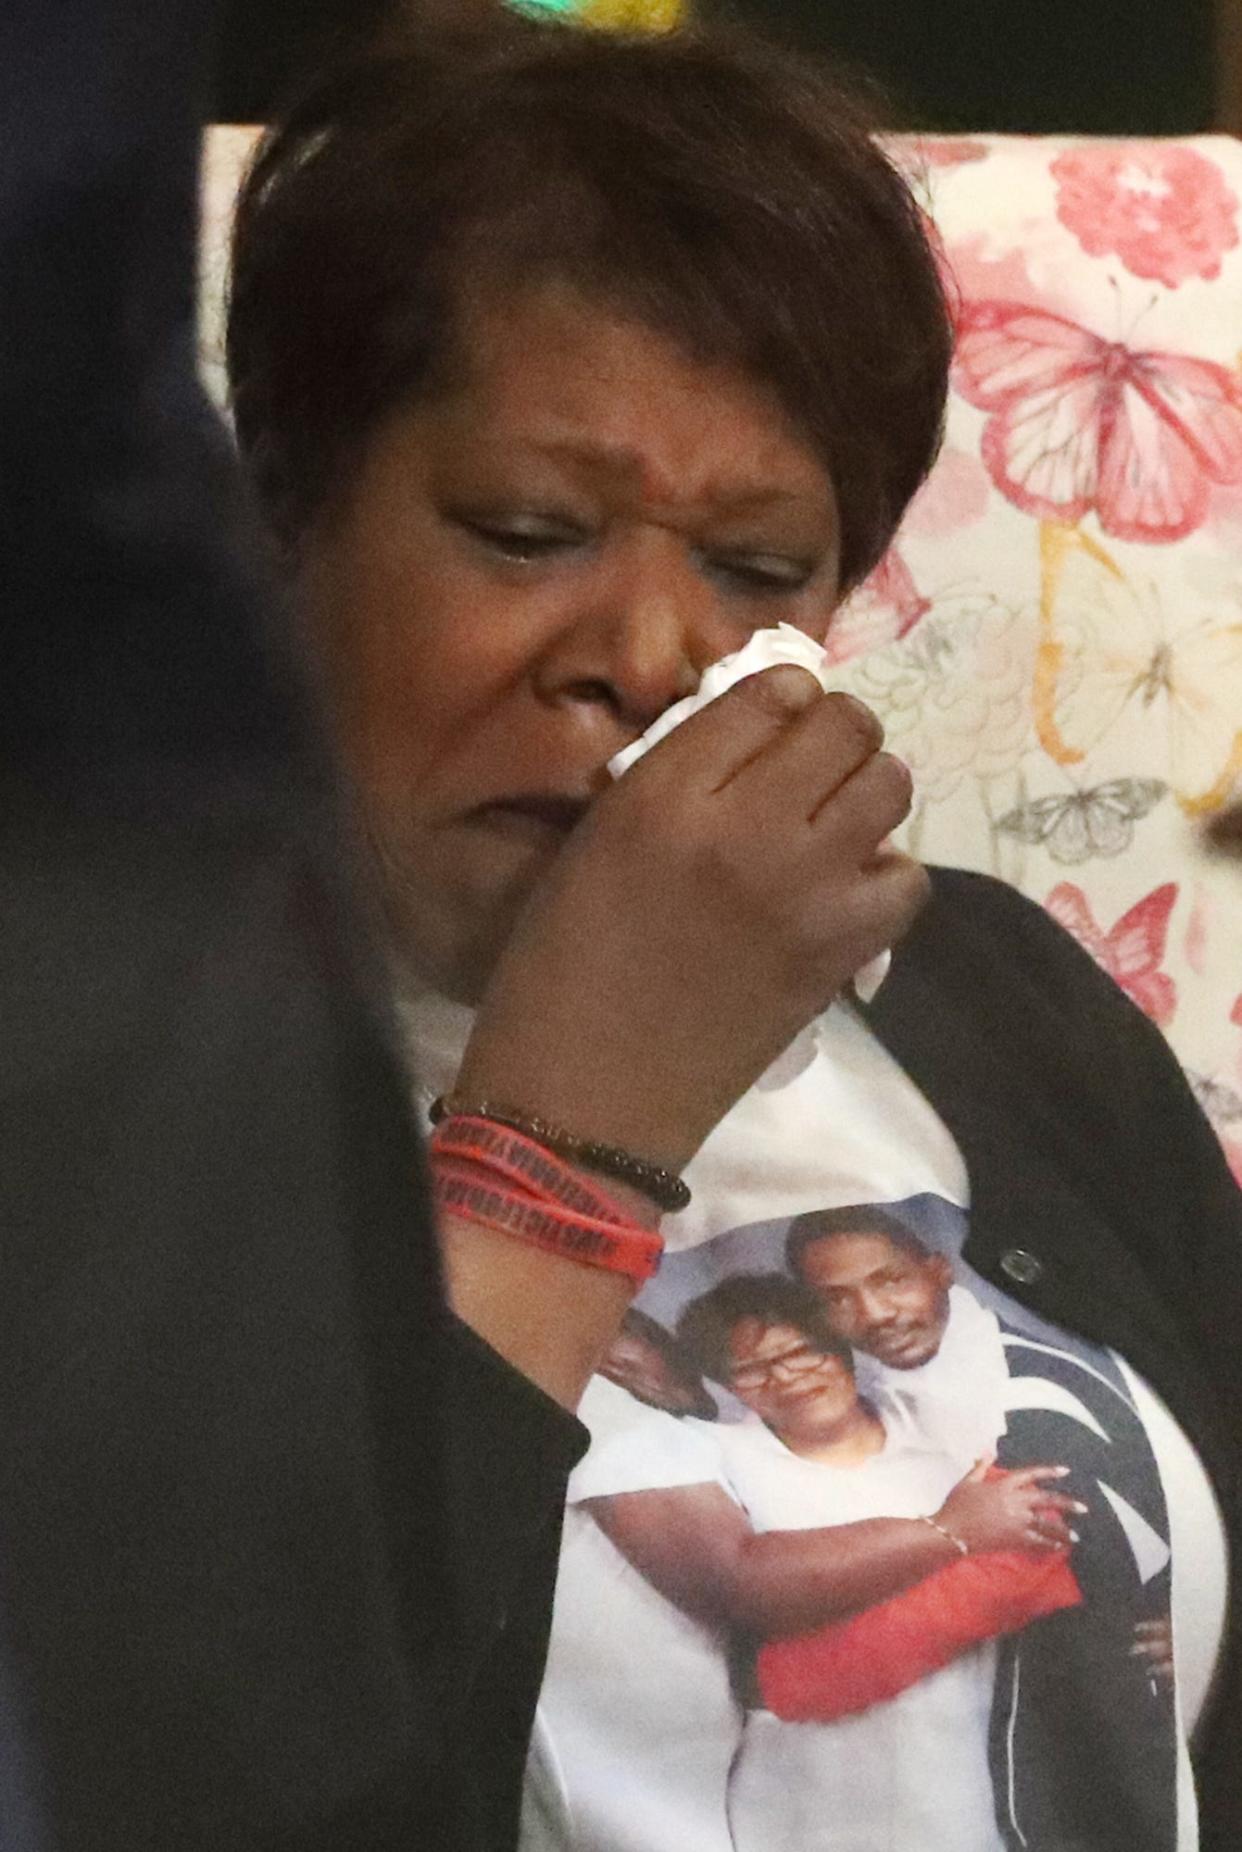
(1083, 1738)
(1100, 1197)
(277, 1537)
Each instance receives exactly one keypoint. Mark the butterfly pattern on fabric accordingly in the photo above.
(884, 608)
(1222, 1104)
(1041, 708)
(1133, 950)
(1077, 825)
(1078, 424)
(1111, 657)
(954, 693)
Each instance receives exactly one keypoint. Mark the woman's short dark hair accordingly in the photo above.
(729, 194)
(772, 1298)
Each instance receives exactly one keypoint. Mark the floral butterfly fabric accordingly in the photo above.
(1070, 697)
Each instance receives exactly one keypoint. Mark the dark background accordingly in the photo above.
(1089, 67)
(1106, 67)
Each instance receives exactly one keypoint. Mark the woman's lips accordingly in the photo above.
(806, 1392)
(536, 815)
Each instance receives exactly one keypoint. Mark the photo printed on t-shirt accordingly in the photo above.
(792, 1664)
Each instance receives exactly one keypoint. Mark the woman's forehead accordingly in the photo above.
(583, 386)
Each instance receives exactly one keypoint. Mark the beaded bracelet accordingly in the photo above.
(665, 1188)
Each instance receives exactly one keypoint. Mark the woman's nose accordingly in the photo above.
(643, 627)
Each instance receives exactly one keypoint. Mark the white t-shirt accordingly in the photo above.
(1085, 1749)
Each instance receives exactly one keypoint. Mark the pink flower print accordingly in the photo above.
(1164, 209)
(949, 150)
(919, 154)
(1132, 951)
(1195, 943)
(978, 273)
(881, 611)
(955, 495)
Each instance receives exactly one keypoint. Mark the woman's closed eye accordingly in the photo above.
(520, 538)
(768, 574)
(529, 538)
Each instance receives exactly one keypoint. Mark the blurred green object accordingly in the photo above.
(613, 15)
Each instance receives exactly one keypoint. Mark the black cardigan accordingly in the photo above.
(1087, 1151)
(277, 1536)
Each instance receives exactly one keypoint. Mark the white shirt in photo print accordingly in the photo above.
(672, 1684)
(640, 1745)
(863, 1780)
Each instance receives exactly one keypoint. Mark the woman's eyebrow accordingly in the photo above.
(620, 460)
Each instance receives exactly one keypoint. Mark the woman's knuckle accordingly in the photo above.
(855, 720)
(894, 781)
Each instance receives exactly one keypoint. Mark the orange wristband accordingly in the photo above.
(500, 1179)
(557, 1231)
(522, 1161)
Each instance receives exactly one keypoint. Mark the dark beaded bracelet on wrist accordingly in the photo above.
(664, 1187)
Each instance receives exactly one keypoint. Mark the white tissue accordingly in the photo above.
(778, 644)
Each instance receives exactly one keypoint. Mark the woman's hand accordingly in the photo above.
(1010, 1511)
(707, 907)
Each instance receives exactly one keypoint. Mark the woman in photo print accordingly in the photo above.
(694, 1584)
(912, 1770)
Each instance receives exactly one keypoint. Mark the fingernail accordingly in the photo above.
(1080, 1507)
(789, 686)
(1074, 1537)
